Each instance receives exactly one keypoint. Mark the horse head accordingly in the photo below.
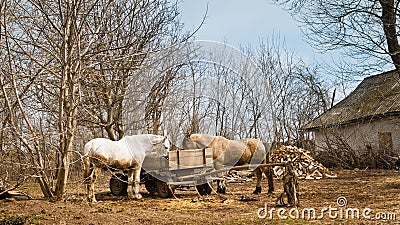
(167, 146)
(161, 145)
(196, 141)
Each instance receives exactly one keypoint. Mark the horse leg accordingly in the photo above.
(134, 184)
(258, 174)
(90, 185)
(88, 175)
(269, 172)
(130, 184)
(137, 183)
(270, 177)
(221, 187)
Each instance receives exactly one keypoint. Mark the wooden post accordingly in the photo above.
(290, 188)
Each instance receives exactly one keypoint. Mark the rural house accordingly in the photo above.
(362, 130)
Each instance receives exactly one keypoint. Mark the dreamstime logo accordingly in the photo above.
(332, 212)
(341, 201)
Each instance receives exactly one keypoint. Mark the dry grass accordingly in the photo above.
(378, 190)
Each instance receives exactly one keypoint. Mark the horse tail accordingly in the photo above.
(86, 168)
(86, 161)
(267, 156)
(268, 171)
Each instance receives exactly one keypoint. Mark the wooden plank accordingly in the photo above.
(183, 183)
(206, 153)
(155, 163)
(190, 158)
(228, 169)
(260, 165)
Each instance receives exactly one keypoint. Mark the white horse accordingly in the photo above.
(125, 154)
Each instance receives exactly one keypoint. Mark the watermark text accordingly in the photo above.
(338, 211)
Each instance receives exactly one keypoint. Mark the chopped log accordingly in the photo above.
(15, 195)
(245, 198)
(304, 165)
(4, 194)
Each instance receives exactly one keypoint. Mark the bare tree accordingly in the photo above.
(367, 29)
(238, 101)
(156, 100)
(294, 93)
(63, 55)
(132, 31)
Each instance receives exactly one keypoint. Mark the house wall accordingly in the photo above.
(382, 134)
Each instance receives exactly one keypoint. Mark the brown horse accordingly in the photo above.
(233, 153)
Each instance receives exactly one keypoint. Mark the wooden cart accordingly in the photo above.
(184, 168)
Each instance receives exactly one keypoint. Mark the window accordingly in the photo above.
(385, 142)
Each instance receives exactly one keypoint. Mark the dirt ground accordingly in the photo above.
(375, 194)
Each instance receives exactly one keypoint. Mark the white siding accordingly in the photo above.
(358, 136)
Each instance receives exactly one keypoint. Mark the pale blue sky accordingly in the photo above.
(241, 23)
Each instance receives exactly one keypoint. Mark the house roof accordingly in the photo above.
(374, 97)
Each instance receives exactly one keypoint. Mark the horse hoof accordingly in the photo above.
(138, 197)
(221, 190)
(257, 191)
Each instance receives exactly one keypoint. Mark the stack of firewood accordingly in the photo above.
(305, 166)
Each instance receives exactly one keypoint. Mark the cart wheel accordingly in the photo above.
(204, 189)
(119, 184)
(164, 191)
(151, 185)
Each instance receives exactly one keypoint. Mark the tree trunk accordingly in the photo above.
(67, 104)
(389, 26)
(62, 176)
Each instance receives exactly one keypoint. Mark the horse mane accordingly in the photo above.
(204, 139)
